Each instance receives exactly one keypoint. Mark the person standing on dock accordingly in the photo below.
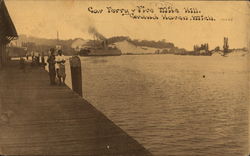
(60, 67)
(22, 64)
(43, 60)
(27, 56)
(38, 59)
(52, 70)
(32, 58)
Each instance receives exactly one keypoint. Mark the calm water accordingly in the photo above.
(174, 105)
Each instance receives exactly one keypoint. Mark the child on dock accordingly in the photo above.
(60, 67)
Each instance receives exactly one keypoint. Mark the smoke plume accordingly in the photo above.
(92, 30)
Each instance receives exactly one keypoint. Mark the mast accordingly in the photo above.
(94, 40)
(58, 46)
(57, 37)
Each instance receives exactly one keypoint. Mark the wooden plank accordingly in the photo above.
(39, 119)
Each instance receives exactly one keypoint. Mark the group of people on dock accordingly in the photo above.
(56, 65)
(36, 60)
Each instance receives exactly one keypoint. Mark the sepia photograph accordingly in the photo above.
(124, 78)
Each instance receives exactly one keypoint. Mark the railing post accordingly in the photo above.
(76, 74)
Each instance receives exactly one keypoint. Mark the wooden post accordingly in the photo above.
(76, 74)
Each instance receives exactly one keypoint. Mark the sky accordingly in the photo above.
(72, 19)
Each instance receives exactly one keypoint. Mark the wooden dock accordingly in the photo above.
(39, 119)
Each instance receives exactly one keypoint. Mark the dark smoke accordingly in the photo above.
(92, 30)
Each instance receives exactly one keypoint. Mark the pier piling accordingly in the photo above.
(76, 74)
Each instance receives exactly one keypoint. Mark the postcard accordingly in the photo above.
(124, 78)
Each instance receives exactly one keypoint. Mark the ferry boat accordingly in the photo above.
(100, 50)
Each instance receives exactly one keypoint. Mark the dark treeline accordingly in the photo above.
(115, 39)
(154, 44)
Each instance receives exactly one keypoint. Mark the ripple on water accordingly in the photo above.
(166, 103)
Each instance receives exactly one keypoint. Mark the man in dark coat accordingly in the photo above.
(52, 70)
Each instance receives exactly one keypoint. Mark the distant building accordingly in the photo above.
(203, 49)
(29, 45)
(7, 33)
(16, 51)
(79, 44)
